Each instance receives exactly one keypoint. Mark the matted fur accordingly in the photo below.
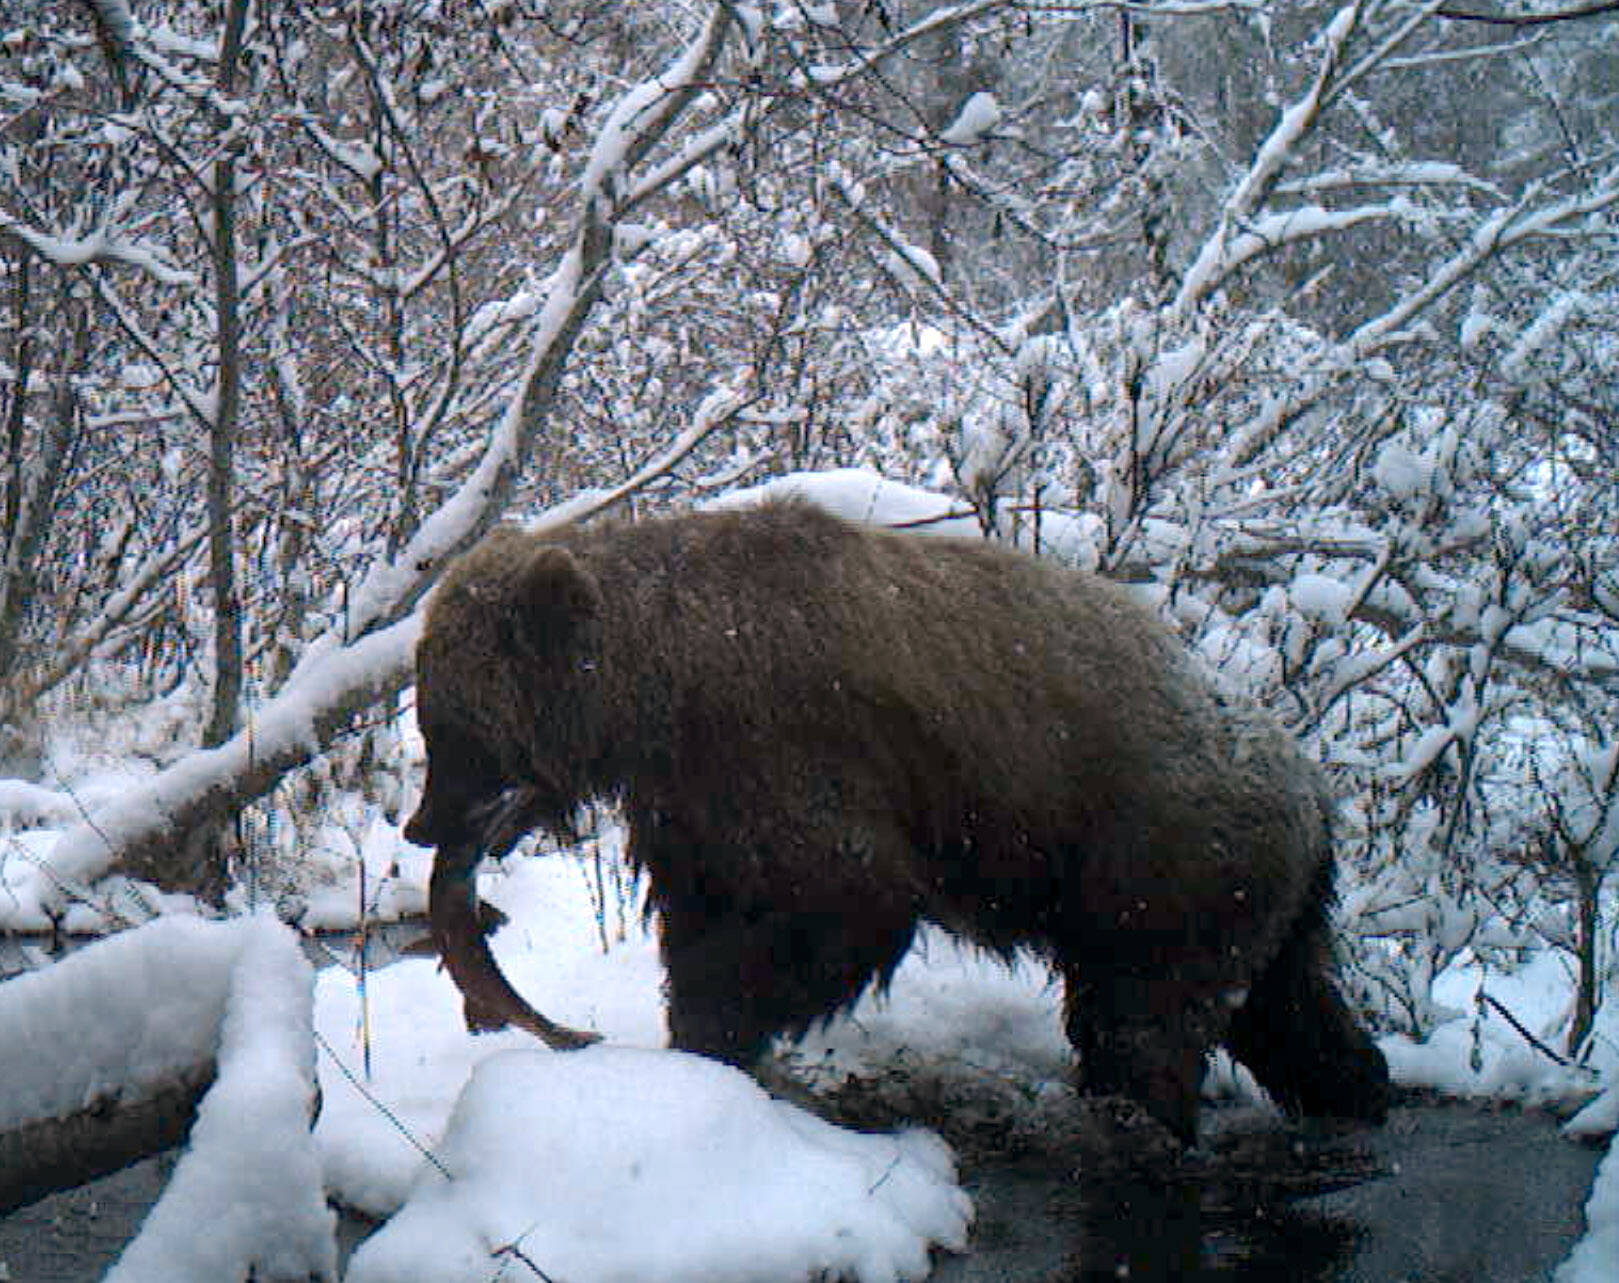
(821, 733)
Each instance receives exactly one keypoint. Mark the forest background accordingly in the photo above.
(1300, 316)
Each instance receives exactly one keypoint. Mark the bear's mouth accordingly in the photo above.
(502, 821)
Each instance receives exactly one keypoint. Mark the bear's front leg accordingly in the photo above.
(737, 977)
(1143, 1037)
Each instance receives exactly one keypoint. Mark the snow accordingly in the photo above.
(1592, 1260)
(1478, 1054)
(636, 117)
(858, 494)
(1322, 598)
(420, 1051)
(74, 251)
(343, 868)
(134, 1011)
(978, 115)
(250, 1177)
(1402, 473)
(978, 1025)
(911, 264)
(622, 1163)
(1228, 247)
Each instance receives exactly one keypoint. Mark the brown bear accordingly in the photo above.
(820, 733)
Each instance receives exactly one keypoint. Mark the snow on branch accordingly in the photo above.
(907, 262)
(98, 247)
(1520, 222)
(715, 412)
(1365, 173)
(331, 685)
(1217, 257)
(1269, 232)
(643, 115)
(368, 658)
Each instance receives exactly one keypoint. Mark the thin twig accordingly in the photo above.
(382, 1109)
(1485, 999)
(1592, 9)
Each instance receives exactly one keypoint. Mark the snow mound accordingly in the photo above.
(1592, 1260)
(420, 1051)
(615, 1163)
(120, 1018)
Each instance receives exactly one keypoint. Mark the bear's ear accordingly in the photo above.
(553, 596)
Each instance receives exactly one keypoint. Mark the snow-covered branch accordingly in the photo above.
(331, 685)
(1218, 257)
(100, 246)
(106, 1053)
(1523, 221)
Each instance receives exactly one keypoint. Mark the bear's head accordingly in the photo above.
(506, 678)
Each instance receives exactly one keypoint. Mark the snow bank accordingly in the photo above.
(1482, 1055)
(1593, 1258)
(617, 1163)
(346, 865)
(624, 1161)
(420, 1051)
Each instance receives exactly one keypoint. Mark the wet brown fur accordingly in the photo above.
(821, 733)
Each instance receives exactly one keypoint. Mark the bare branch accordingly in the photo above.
(1466, 13)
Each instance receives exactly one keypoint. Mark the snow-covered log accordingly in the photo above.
(107, 1051)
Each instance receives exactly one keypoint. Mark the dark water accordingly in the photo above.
(1445, 1193)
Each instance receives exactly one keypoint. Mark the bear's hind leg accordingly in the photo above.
(1299, 1038)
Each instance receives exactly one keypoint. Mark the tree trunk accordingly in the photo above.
(36, 476)
(1588, 882)
(224, 719)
